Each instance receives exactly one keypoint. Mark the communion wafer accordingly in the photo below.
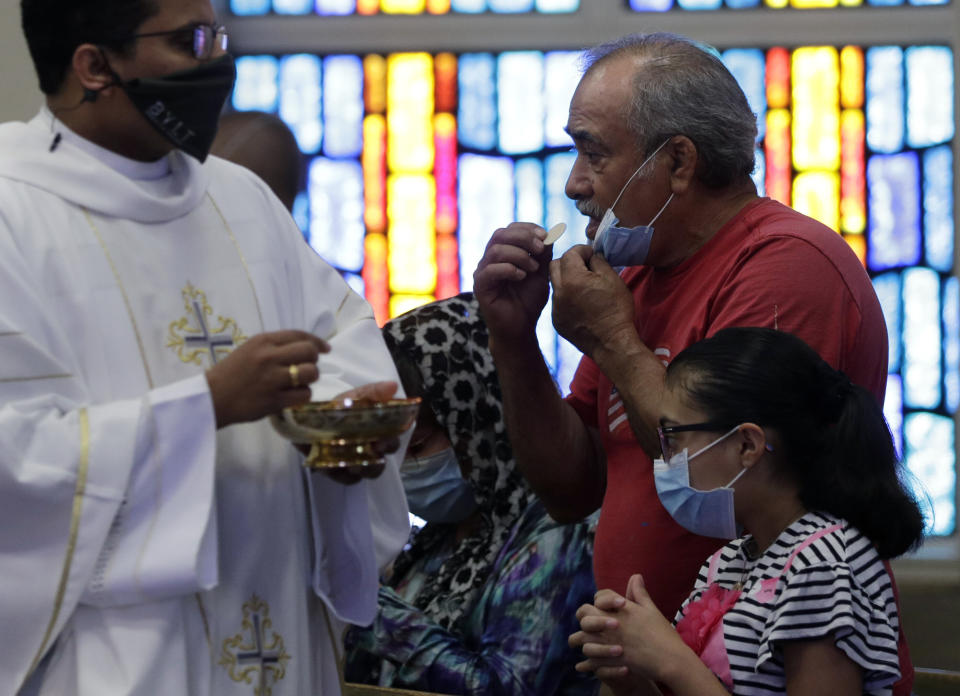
(555, 233)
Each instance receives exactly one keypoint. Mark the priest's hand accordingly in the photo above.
(375, 391)
(265, 374)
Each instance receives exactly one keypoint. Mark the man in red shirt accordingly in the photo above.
(663, 133)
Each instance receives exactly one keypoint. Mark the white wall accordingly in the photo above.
(20, 96)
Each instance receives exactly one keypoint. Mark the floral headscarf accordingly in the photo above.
(448, 342)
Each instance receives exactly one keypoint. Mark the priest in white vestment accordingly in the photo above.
(156, 535)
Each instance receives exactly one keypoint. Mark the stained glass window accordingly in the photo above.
(246, 8)
(418, 157)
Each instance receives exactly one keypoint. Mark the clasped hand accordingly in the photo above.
(626, 640)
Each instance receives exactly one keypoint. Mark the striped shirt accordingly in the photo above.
(820, 577)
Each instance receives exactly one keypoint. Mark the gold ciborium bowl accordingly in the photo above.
(342, 433)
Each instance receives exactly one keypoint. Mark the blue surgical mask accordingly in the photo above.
(626, 246)
(707, 513)
(435, 488)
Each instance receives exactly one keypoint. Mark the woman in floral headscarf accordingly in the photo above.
(482, 600)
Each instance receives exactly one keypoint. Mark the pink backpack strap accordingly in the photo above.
(806, 542)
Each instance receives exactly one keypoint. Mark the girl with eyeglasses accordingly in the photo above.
(763, 441)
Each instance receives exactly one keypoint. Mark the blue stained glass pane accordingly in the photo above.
(521, 101)
(300, 99)
(297, 7)
(249, 7)
(930, 457)
(885, 105)
(651, 5)
(929, 95)
(561, 76)
(699, 4)
(355, 281)
(884, 3)
(558, 5)
(889, 291)
(921, 338)
(336, 212)
(471, 6)
(547, 336)
(742, 4)
(529, 174)
(477, 111)
(893, 183)
(568, 357)
(511, 5)
(336, 7)
(938, 207)
(301, 213)
(485, 198)
(893, 410)
(929, 2)
(343, 106)
(951, 344)
(748, 66)
(760, 172)
(559, 207)
(256, 86)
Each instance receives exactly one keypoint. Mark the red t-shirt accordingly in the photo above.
(768, 266)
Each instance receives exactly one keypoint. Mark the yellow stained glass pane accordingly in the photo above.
(402, 6)
(375, 284)
(368, 7)
(438, 6)
(810, 4)
(815, 73)
(817, 194)
(375, 84)
(400, 304)
(776, 4)
(851, 77)
(859, 246)
(410, 112)
(412, 257)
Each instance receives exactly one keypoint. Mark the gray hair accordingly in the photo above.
(681, 88)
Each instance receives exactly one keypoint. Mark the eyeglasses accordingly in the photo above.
(665, 433)
(204, 39)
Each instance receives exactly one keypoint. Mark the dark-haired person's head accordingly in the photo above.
(265, 145)
(103, 65)
(829, 436)
(54, 29)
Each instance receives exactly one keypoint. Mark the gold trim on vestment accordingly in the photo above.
(123, 293)
(243, 260)
(9, 380)
(78, 494)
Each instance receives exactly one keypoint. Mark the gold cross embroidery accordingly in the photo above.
(256, 655)
(192, 337)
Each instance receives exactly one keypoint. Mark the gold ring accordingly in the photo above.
(294, 376)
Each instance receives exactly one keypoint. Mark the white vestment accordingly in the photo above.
(142, 551)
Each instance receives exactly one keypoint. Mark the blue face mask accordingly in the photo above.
(626, 246)
(435, 488)
(707, 513)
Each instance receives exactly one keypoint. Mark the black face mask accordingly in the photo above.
(185, 106)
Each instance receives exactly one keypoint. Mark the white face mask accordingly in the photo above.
(626, 246)
(707, 513)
